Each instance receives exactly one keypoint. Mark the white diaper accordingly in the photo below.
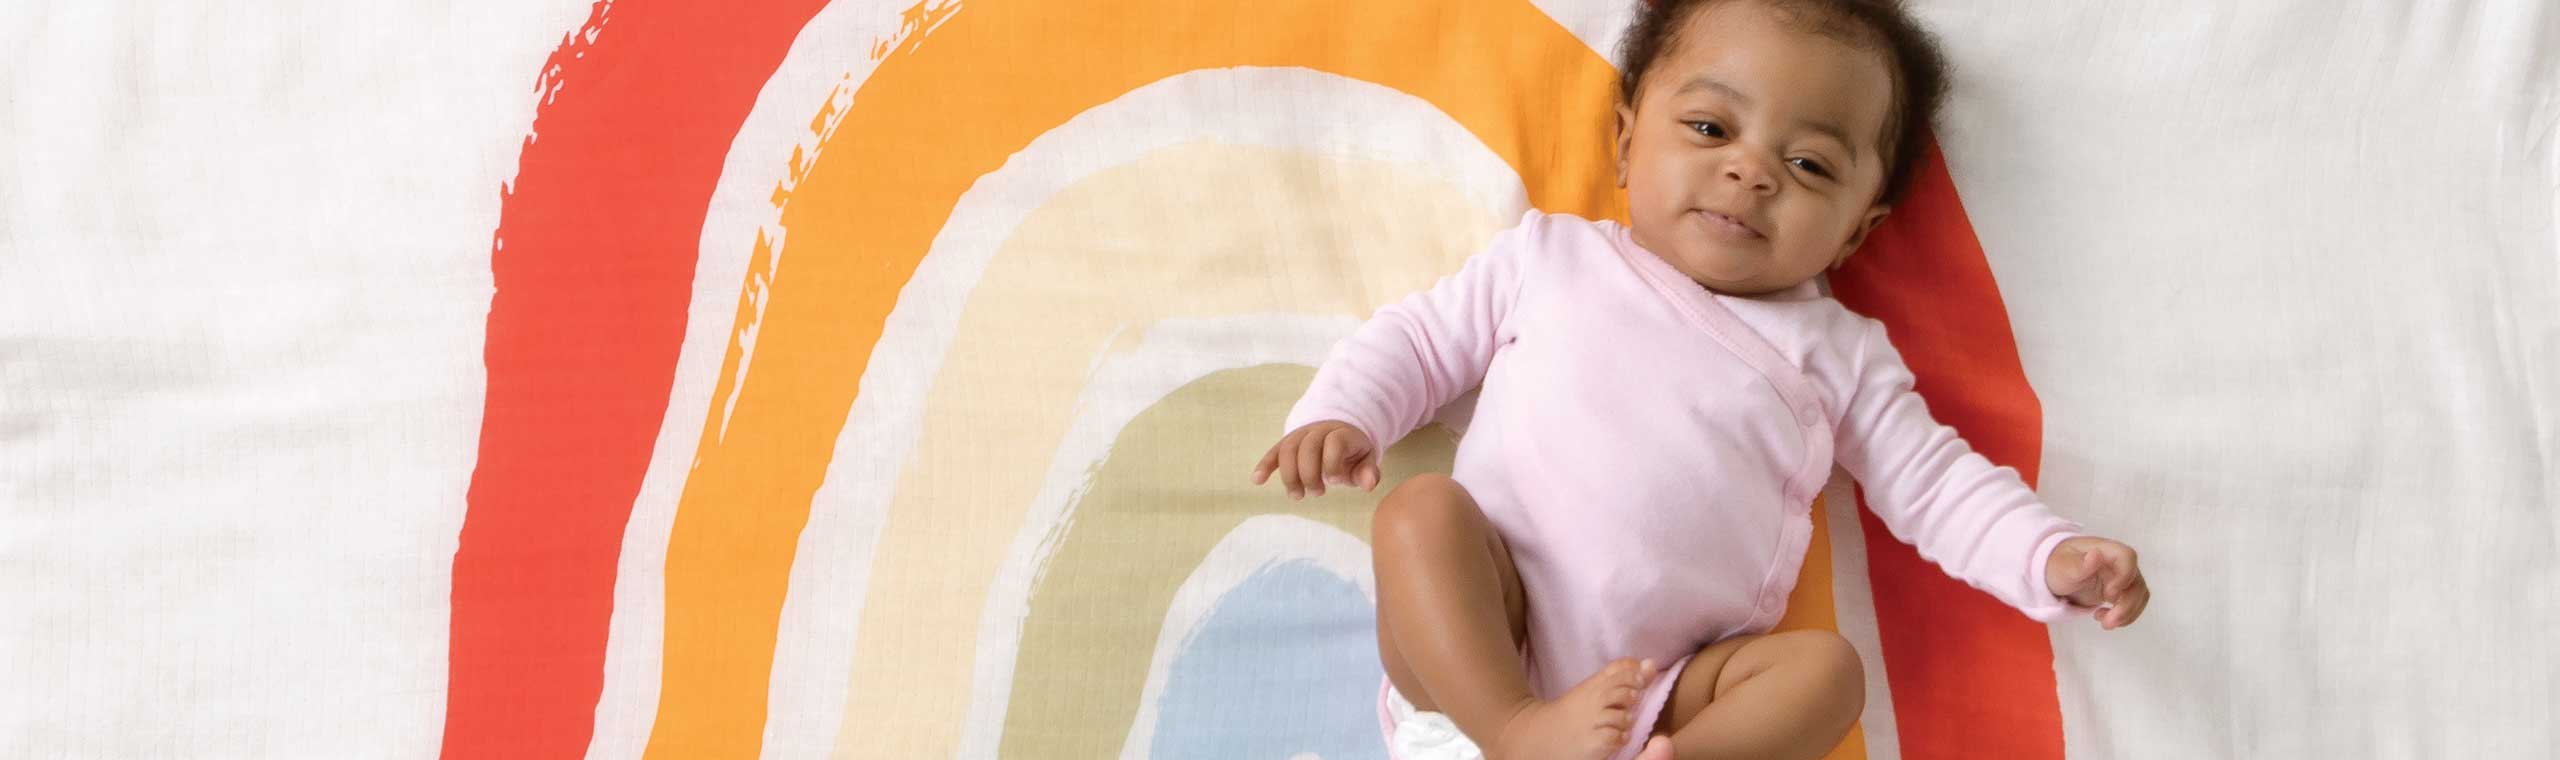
(1419, 735)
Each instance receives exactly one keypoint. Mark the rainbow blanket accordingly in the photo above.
(792, 379)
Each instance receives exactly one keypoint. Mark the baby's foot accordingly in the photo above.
(1589, 722)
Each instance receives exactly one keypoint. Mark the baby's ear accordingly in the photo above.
(1626, 136)
(1858, 237)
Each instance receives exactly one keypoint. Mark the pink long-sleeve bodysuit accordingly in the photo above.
(1650, 450)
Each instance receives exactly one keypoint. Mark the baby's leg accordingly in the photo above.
(1436, 556)
(1783, 695)
(1451, 616)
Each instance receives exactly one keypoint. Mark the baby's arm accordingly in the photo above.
(1401, 366)
(1977, 520)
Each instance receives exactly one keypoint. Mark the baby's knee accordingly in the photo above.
(1429, 502)
(1835, 664)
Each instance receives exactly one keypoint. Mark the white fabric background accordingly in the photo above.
(244, 276)
(2284, 274)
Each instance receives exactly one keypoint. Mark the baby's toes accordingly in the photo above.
(1617, 719)
(1623, 697)
(1599, 742)
(1624, 671)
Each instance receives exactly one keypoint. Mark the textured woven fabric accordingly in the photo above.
(882, 379)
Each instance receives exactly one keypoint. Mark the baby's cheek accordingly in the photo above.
(1826, 227)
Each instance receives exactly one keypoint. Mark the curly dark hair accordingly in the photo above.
(1910, 53)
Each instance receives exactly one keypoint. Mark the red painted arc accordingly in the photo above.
(593, 263)
(1970, 676)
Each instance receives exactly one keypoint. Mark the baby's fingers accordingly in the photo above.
(1336, 448)
(2126, 570)
(2130, 608)
(2074, 580)
(1270, 461)
(1284, 460)
(1311, 463)
(1369, 474)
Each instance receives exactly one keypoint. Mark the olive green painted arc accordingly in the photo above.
(1175, 483)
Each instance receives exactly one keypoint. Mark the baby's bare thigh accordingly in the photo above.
(1717, 668)
(1431, 544)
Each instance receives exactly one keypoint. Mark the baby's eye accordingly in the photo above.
(1708, 128)
(1810, 165)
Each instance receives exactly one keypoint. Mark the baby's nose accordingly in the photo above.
(1749, 174)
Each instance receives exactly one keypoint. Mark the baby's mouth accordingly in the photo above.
(1728, 225)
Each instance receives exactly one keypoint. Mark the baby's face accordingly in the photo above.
(1752, 159)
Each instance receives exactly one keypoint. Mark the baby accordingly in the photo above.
(1661, 401)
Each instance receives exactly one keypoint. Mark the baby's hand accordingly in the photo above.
(2096, 572)
(1324, 452)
